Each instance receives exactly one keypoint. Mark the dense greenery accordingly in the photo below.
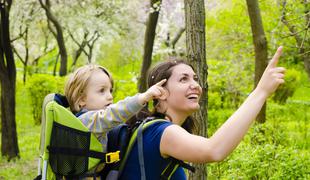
(278, 149)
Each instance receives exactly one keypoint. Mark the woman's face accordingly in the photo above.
(184, 90)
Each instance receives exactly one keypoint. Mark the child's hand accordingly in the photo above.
(273, 76)
(154, 92)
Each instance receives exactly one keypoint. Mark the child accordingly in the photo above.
(89, 93)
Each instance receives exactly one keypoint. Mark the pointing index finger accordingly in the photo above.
(160, 83)
(274, 61)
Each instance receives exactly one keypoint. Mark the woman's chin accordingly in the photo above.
(194, 108)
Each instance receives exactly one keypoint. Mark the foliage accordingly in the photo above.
(286, 90)
(265, 161)
(231, 65)
(229, 82)
(278, 149)
(216, 118)
(124, 85)
(38, 87)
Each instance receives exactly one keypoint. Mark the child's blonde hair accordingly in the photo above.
(78, 82)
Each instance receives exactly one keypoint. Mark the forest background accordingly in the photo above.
(112, 34)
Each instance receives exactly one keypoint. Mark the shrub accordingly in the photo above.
(266, 161)
(38, 86)
(124, 86)
(286, 90)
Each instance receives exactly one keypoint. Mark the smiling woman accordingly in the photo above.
(173, 138)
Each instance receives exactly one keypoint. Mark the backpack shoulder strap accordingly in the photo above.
(134, 136)
(172, 167)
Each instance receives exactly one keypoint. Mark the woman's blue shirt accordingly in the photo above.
(154, 162)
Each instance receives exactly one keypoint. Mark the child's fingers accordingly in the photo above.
(160, 83)
(160, 91)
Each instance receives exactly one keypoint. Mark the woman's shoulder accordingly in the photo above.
(158, 124)
(154, 129)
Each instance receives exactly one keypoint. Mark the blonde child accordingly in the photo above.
(89, 93)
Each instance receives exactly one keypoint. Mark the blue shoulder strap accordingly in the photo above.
(140, 151)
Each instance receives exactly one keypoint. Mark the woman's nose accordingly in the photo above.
(194, 85)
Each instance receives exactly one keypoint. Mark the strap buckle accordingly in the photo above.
(112, 157)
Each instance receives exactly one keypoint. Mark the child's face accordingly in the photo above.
(98, 92)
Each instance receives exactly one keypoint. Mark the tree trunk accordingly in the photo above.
(149, 37)
(58, 34)
(260, 46)
(306, 40)
(307, 63)
(196, 55)
(9, 145)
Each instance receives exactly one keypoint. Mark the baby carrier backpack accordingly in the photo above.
(68, 150)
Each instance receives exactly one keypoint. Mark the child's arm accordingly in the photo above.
(101, 120)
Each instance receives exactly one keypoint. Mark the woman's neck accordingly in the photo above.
(176, 117)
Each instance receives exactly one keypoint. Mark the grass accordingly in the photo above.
(28, 141)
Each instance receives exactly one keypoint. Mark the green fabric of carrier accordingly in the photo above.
(56, 115)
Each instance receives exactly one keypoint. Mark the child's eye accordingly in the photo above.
(102, 90)
(111, 90)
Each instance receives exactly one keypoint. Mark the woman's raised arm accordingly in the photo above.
(176, 142)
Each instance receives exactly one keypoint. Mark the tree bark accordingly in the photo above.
(306, 54)
(260, 46)
(58, 34)
(149, 37)
(9, 145)
(196, 55)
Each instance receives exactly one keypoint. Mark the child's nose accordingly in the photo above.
(110, 96)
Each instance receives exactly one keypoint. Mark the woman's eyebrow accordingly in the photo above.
(185, 74)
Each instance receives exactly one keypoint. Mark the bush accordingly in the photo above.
(286, 90)
(266, 161)
(38, 86)
(216, 118)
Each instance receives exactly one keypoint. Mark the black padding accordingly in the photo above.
(67, 164)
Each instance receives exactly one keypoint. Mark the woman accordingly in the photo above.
(180, 100)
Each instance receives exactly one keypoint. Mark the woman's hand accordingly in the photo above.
(272, 77)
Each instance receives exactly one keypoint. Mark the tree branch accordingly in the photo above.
(18, 55)
(288, 25)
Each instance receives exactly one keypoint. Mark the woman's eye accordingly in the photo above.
(196, 79)
(183, 79)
